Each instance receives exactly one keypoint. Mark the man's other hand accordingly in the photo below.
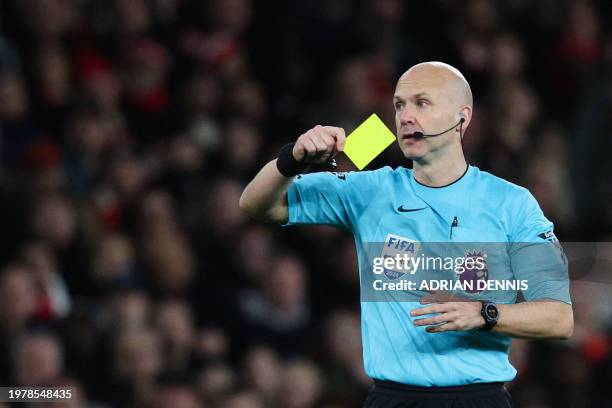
(452, 313)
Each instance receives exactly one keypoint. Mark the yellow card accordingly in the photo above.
(369, 140)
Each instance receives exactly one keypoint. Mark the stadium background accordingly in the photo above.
(129, 128)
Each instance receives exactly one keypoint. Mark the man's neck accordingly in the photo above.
(440, 173)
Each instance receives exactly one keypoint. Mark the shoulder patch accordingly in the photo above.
(548, 236)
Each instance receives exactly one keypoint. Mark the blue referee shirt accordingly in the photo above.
(386, 206)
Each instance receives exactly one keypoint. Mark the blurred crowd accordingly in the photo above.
(128, 129)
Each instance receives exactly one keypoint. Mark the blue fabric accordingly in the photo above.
(487, 209)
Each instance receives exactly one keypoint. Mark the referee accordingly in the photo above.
(439, 351)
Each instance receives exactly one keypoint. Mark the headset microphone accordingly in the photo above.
(420, 135)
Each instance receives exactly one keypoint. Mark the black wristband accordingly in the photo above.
(286, 163)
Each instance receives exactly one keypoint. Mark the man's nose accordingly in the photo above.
(407, 117)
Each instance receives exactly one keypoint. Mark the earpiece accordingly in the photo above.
(462, 116)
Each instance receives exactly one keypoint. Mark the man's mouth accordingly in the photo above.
(409, 135)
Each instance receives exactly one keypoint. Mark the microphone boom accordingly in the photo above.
(420, 135)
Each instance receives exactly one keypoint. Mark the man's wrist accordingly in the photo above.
(286, 163)
(481, 320)
(490, 315)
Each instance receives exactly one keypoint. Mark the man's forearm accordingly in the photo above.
(537, 319)
(265, 197)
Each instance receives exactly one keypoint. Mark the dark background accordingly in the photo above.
(128, 129)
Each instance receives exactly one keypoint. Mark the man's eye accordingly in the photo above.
(422, 102)
(399, 106)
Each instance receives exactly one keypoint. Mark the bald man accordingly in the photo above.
(447, 348)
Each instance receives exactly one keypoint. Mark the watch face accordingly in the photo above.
(491, 311)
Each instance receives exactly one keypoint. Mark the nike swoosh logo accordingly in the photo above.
(402, 209)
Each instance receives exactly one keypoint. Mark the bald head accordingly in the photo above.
(433, 99)
(446, 78)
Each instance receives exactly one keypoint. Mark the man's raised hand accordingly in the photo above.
(318, 144)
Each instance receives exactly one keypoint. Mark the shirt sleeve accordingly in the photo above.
(320, 199)
(536, 255)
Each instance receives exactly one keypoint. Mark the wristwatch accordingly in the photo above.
(490, 314)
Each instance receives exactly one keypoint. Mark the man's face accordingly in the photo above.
(424, 102)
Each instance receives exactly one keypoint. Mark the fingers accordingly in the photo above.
(449, 316)
(310, 149)
(324, 140)
(319, 143)
(437, 308)
(441, 318)
(442, 328)
(440, 323)
(339, 136)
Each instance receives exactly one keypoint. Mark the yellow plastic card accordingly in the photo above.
(369, 140)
